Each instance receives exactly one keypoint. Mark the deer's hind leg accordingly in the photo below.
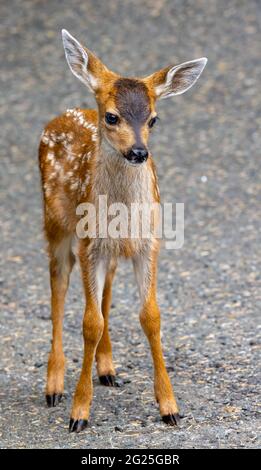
(105, 367)
(61, 263)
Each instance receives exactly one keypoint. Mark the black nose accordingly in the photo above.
(137, 154)
(140, 152)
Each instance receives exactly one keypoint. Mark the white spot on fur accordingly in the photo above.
(85, 184)
(70, 156)
(70, 136)
(68, 175)
(45, 138)
(87, 156)
(52, 176)
(58, 167)
(79, 118)
(47, 190)
(51, 157)
(74, 185)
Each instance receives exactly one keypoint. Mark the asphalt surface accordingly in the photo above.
(207, 151)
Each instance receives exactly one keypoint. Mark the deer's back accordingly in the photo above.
(67, 147)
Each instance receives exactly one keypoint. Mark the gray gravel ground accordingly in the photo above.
(207, 151)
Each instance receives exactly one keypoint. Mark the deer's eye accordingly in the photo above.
(111, 119)
(152, 121)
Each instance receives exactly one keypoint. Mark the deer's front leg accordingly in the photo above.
(93, 271)
(145, 270)
(105, 366)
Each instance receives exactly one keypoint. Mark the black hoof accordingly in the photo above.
(53, 400)
(171, 420)
(108, 380)
(77, 425)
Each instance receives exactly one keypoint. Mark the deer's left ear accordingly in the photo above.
(176, 80)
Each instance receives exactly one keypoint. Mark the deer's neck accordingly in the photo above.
(120, 181)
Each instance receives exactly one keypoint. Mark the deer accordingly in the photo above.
(85, 153)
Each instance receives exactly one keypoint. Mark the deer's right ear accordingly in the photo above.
(83, 63)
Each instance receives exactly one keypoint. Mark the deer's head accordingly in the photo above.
(127, 105)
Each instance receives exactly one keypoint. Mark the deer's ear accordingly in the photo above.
(176, 80)
(82, 62)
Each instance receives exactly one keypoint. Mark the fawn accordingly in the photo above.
(84, 154)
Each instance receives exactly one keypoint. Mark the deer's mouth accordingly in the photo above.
(135, 161)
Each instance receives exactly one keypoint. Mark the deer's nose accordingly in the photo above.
(137, 154)
(140, 152)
